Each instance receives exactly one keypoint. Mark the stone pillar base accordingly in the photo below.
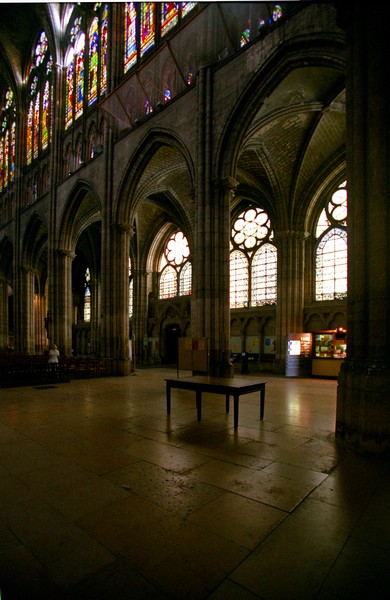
(363, 407)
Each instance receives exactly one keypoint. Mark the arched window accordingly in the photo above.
(253, 260)
(7, 140)
(40, 94)
(175, 268)
(87, 296)
(331, 279)
(146, 23)
(86, 62)
(131, 291)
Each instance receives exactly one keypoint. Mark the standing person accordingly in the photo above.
(53, 354)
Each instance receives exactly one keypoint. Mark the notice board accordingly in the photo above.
(193, 354)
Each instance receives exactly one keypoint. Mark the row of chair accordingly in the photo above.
(19, 370)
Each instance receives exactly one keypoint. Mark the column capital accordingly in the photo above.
(122, 228)
(62, 252)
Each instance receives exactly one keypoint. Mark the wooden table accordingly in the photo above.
(235, 387)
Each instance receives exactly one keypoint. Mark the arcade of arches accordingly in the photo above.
(180, 170)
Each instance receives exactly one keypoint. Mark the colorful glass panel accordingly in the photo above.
(103, 50)
(169, 16)
(79, 84)
(41, 49)
(130, 35)
(187, 7)
(93, 61)
(36, 124)
(45, 118)
(245, 37)
(1, 164)
(12, 151)
(30, 129)
(6, 158)
(148, 26)
(69, 94)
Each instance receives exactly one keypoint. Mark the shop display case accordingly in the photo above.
(329, 350)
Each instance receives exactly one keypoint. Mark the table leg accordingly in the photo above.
(227, 402)
(236, 398)
(199, 404)
(262, 398)
(168, 398)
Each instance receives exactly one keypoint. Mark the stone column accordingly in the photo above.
(3, 315)
(290, 300)
(61, 314)
(363, 398)
(140, 313)
(115, 299)
(211, 277)
(24, 312)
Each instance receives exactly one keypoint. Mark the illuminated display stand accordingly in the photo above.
(317, 354)
(329, 350)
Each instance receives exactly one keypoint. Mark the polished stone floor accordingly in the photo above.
(105, 497)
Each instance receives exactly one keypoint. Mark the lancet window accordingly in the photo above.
(146, 23)
(40, 100)
(332, 249)
(175, 268)
(86, 62)
(87, 296)
(7, 140)
(253, 260)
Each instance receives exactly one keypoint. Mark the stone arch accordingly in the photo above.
(267, 105)
(82, 208)
(161, 166)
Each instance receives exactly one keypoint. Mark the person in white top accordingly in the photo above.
(53, 354)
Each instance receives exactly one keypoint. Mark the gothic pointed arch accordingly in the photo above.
(162, 169)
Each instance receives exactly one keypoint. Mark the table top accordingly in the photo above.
(204, 381)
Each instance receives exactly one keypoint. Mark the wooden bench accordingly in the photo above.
(235, 387)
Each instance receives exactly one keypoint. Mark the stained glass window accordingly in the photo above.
(131, 291)
(69, 93)
(332, 248)
(7, 140)
(103, 50)
(40, 91)
(253, 260)
(245, 37)
(36, 125)
(86, 63)
(169, 16)
(93, 61)
(187, 7)
(141, 21)
(175, 267)
(130, 35)
(147, 26)
(87, 296)
(45, 116)
(79, 81)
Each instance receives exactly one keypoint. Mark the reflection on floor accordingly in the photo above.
(103, 496)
